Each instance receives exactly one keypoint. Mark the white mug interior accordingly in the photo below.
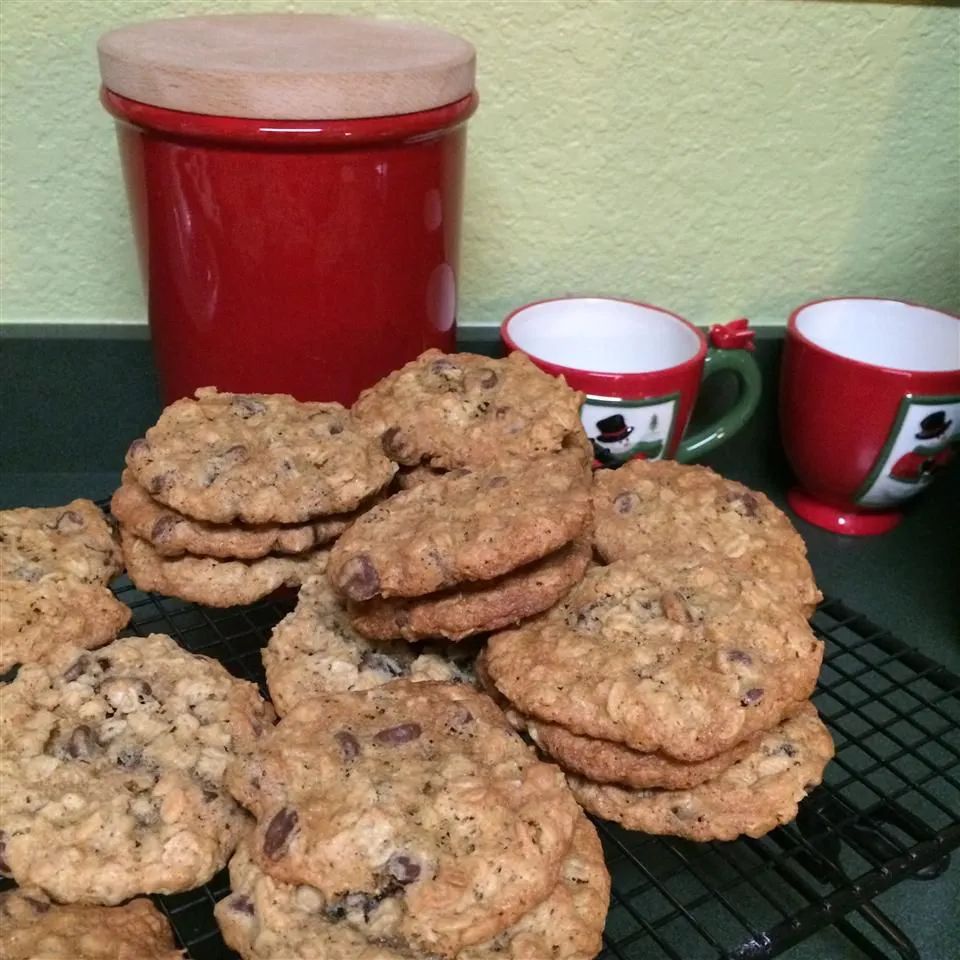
(603, 336)
(884, 333)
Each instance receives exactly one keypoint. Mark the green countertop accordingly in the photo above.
(64, 436)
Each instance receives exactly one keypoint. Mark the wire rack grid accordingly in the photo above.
(889, 808)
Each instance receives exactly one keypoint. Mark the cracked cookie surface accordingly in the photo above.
(661, 654)
(315, 651)
(55, 563)
(33, 928)
(466, 410)
(419, 816)
(112, 766)
(463, 527)
(257, 458)
(752, 796)
(650, 506)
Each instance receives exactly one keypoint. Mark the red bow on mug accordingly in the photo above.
(735, 335)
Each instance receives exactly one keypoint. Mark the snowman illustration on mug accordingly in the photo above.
(634, 432)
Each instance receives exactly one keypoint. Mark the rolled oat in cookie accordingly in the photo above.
(663, 654)
(265, 919)
(315, 650)
(469, 609)
(212, 582)
(257, 458)
(652, 505)
(34, 928)
(752, 796)
(112, 765)
(465, 526)
(466, 410)
(55, 563)
(172, 534)
(420, 818)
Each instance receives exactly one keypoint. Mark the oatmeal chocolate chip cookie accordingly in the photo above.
(752, 796)
(475, 607)
(462, 527)
(172, 534)
(650, 506)
(264, 918)
(73, 541)
(419, 816)
(257, 458)
(33, 928)
(466, 410)
(660, 654)
(212, 582)
(112, 766)
(37, 619)
(314, 651)
(54, 564)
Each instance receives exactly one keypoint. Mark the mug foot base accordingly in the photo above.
(838, 520)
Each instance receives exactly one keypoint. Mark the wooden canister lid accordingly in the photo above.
(287, 66)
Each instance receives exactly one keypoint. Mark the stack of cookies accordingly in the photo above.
(409, 821)
(672, 683)
(231, 496)
(55, 564)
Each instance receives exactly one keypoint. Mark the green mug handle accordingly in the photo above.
(744, 367)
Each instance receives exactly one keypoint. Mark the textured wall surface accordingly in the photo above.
(719, 158)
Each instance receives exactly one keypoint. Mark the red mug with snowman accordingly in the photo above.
(869, 408)
(641, 368)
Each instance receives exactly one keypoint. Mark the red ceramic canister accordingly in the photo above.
(295, 185)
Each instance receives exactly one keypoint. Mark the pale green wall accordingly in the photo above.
(718, 157)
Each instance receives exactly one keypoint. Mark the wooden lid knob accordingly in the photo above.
(287, 66)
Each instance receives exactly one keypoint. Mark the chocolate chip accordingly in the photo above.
(160, 482)
(103, 663)
(4, 866)
(248, 407)
(138, 448)
(674, 607)
(129, 756)
(358, 578)
(753, 696)
(381, 663)
(210, 795)
(787, 749)
(745, 503)
(444, 367)
(81, 745)
(488, 378)
(69, 521)
(278, 833)
(403, 733)
(335, 429)
(625, 502)
(739, 656)
(76, 668)
(402, 868)
(241, 904)
(462, 717)
(348, 743)
(394, 443)
(498, 481)
(164, 527)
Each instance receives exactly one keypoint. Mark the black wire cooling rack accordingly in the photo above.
(889, 808)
